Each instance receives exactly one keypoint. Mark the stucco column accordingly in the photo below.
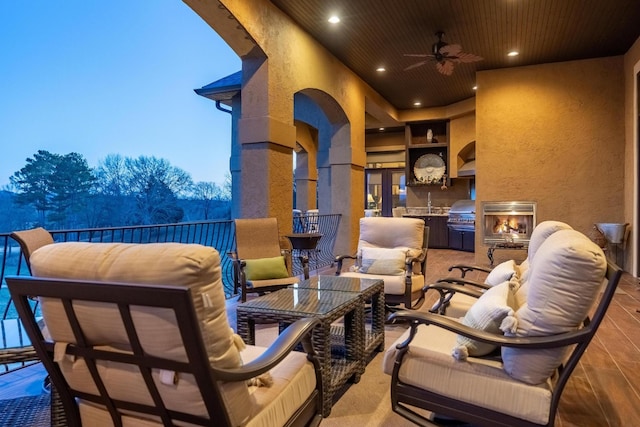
(346, 181)
(306, 182)
(267, 169)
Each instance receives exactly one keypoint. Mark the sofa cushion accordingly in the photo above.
(266, 268)
(383, 261)
(194, 266)
(564, 281)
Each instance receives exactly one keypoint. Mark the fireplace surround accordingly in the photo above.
(509, 222)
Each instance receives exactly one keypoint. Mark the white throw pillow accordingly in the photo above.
(385, 261)
(501, 273)
(486, 314)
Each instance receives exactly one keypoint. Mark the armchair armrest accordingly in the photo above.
(446, 288)
(295, 333)
(417, 318)
(410, 260)
(463, 282)
(339, 260)
(464, 268)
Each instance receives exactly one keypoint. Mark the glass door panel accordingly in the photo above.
(384, 190)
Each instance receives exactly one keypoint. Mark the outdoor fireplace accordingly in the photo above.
(508, 222)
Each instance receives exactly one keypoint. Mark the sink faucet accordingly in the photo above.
(429, 202)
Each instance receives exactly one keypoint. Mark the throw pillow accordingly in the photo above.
(266, 268)
(486, 314)
(501, 273)
(383, 261)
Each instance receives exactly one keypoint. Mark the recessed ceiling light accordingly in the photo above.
(417, 104)
(475, 87)
(381, 69)
(380, 129)
(334, 19)
(513, 53)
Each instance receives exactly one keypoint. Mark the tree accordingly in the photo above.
(56, 186)
(156, 185)
(33, 182)
(113, 202)
(71, 184)
(206, 193)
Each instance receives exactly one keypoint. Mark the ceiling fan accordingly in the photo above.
(445, 55)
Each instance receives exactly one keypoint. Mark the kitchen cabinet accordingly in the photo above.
(462, 240)
(438, 236)
(427, 154)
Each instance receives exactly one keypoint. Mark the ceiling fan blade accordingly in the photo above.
(445, 67)
(418, 55)
(416, 65)
(451, 50)
(468, 57)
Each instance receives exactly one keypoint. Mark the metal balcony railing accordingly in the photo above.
(217, 234)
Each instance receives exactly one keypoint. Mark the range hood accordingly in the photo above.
(468, 168)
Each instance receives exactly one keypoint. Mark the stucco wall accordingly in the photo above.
(553, 134)
(462, 130)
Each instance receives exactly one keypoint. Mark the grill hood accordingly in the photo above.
(463, 207)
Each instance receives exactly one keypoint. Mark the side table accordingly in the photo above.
(369, 290)
(285, 306)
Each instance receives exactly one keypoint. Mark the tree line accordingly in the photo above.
(62, 192)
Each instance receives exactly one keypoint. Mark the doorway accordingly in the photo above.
(385, 189)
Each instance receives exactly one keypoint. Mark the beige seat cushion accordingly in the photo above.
(294, 380)
(430, 366)
(189, 265)
(393, 285)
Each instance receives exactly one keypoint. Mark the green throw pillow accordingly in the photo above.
(266, 268)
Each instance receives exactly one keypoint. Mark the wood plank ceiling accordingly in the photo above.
(375, 33)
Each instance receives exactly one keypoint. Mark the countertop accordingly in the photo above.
(423, 215)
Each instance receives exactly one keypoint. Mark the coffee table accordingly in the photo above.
(285, 306)
(369, 290)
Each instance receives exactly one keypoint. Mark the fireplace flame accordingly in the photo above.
(508, 225)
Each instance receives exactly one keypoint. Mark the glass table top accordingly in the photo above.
(300, 301)
(337, 283)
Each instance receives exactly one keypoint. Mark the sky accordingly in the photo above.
(112, 77)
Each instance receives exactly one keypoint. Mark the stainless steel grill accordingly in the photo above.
(462, 216)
